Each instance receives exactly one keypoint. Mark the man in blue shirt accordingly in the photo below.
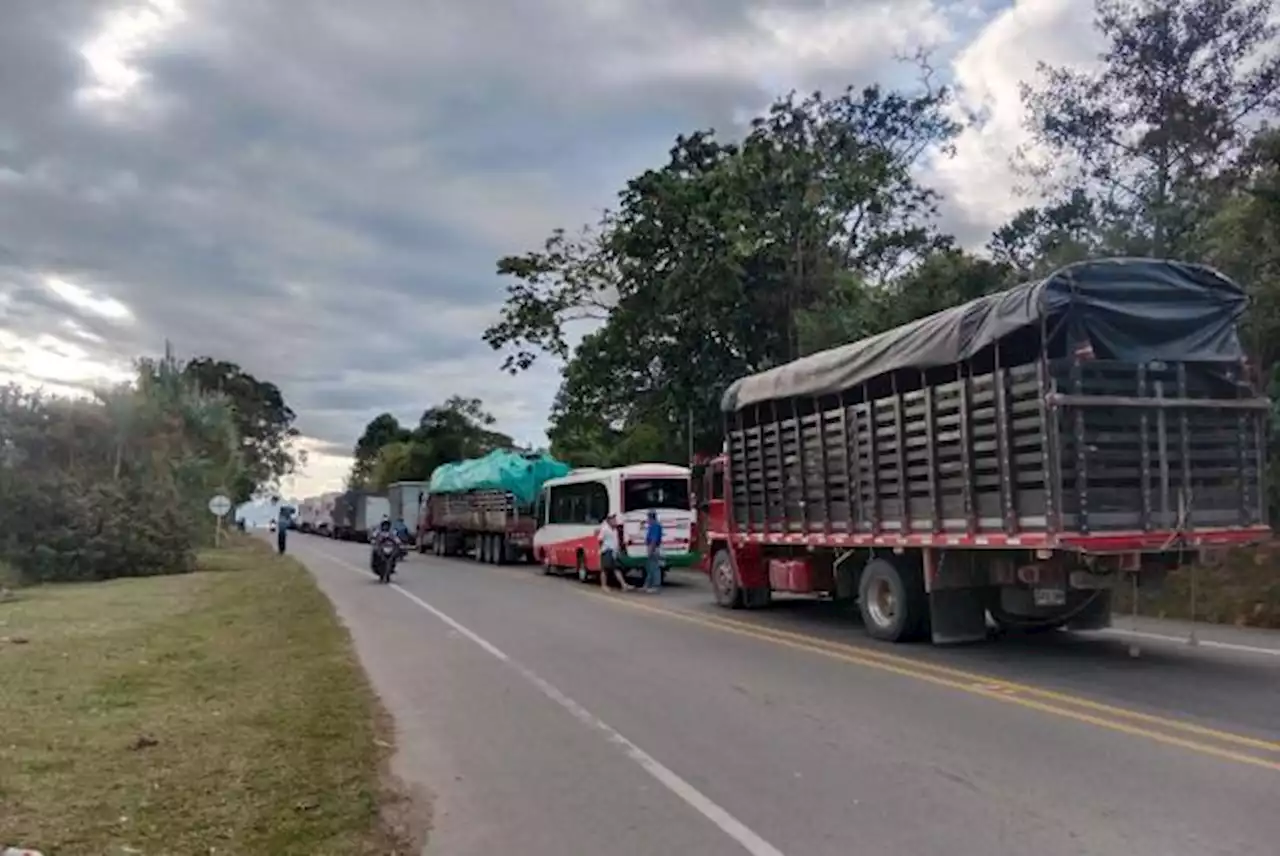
(653, 553)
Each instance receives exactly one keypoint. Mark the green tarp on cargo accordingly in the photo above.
(521, 475)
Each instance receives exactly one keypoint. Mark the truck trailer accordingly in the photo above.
(484, 506)
(355, 513)
(308, 509)
(406, 500)
(1015, 457)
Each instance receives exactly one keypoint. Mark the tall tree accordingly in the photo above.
(263, 419)
(1148, 132)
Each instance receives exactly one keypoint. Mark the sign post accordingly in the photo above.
(219, 505)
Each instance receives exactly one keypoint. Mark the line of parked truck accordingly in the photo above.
(351, 515)
(1012, 459)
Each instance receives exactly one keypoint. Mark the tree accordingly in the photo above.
(459, 429)
(382, 431)
(1039, 240)
(708, 260)
(263, 419)
(1243, 239)
(388, 452)
(1147, 136)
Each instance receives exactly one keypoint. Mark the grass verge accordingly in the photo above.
(221, 711)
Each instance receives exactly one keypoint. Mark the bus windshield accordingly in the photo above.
(643, 494)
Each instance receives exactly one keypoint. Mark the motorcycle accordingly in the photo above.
(385, 555)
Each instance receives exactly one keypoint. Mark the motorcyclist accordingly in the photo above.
(402, 535)
(384, 531)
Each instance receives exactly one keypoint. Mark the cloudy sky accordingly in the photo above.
(318, 189)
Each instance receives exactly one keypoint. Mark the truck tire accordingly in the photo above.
(724, 581)
(892, 601)
(499, 549)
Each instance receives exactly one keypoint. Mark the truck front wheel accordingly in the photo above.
(724, 581)
(892, 601)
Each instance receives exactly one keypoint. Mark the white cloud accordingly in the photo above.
(110, 53)
(58, 365)
(323, 471)
(85, 300)
(979, 181)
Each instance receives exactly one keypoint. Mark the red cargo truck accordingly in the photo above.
(1015, 457)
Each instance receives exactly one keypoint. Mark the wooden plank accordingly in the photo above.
(904, 518)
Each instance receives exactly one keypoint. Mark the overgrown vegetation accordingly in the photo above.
(118, 485)
(220, 711)
(815, 230)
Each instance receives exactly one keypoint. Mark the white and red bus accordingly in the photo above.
(571, 509)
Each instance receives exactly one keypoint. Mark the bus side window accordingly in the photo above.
(597, 503)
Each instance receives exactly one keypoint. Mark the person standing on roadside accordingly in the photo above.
(611, 554)
(653, 553)
(282, 530)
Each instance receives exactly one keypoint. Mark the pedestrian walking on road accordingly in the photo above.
(611, 554)
(653, 553)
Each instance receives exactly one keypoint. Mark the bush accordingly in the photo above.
(114, 486)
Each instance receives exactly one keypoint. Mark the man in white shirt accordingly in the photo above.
(610, 554)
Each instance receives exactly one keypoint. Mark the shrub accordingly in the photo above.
(113, 486)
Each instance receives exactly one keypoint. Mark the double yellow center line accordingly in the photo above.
(1226, 745)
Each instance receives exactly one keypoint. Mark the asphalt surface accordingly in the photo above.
(544, 717)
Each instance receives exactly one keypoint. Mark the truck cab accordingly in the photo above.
(712, 512)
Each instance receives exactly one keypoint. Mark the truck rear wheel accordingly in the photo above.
(499, 549)
(892, 601)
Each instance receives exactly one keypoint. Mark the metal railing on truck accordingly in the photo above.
(1060, 446)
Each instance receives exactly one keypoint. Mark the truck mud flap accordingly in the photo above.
(957, 616)
(1095, 616)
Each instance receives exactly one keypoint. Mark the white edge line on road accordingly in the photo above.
(700, 802)
(1183, 640)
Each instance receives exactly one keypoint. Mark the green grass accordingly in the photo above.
(215, 712)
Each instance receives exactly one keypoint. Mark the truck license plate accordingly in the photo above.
(1050, 597)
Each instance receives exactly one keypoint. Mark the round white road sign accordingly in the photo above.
(219, 505)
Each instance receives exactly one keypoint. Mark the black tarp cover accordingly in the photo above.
(1133, 310)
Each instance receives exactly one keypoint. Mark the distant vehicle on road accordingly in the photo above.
(571, 509)
(1015, 456)
(484, 506)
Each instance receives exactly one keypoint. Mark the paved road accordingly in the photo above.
(547, 718)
